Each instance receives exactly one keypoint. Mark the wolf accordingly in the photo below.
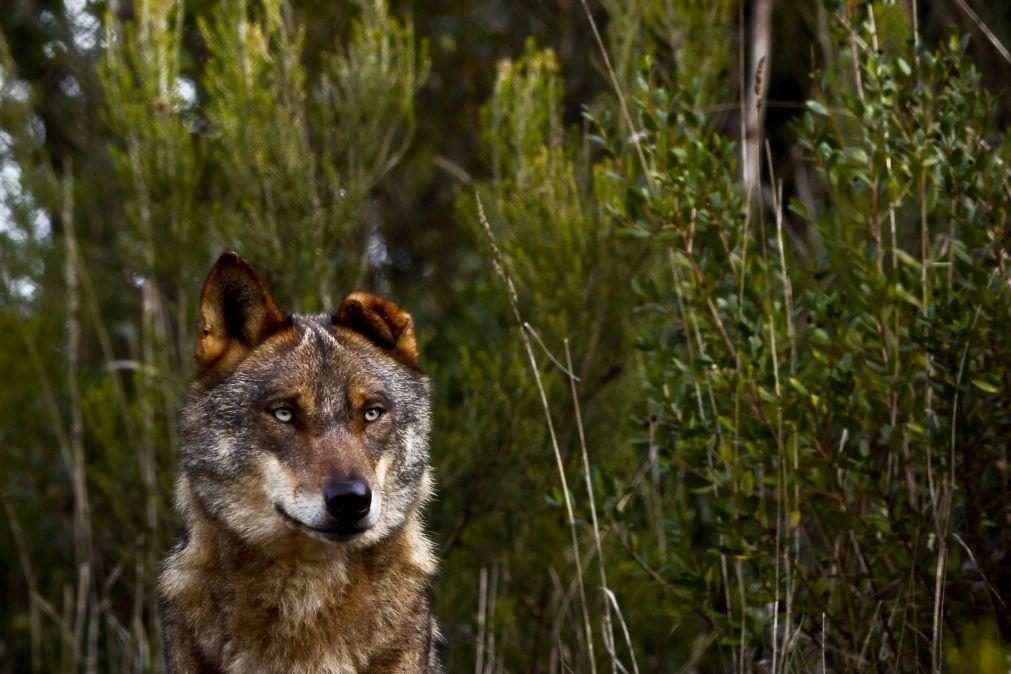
(304, 470)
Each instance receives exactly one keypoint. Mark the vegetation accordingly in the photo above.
(716, 334)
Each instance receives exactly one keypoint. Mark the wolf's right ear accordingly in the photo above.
(236, 312)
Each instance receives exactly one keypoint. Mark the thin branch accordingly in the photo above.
(635, 135)
(498, 262)
(1001, 49)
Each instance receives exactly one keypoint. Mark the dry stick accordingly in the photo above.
(621, 100)
(492, 593)
(777, 202)
(25, 559)
(143, 653)
(656, 506)
(557, 659)
(854, 40)
(1001, 49)
(761, 35)
(608, 627)
(943, 523)
(824, 670)
(624, 628)
(75, 435)
(979, 569)
(781, 488)
(498, 262)
(91, 663)
(81, 606)
(888, 154)
(67, 655)
(745, 238)
(743, 94)
(571, 589)
(916, 30)
(939, 573)
(779, 499)
(151, 308)
(738, 569)
(791, 336)
(62, 621)
(481, 608)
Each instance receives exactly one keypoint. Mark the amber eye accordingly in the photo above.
(373, 413)
(283, 414)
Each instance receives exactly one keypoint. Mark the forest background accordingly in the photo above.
(714, 298)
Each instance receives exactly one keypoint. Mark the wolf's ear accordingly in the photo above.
(383, 322)
(236, 311)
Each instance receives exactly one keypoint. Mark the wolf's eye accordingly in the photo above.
(283, 414)
(373, 413)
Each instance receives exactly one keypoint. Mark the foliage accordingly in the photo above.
(831, 412)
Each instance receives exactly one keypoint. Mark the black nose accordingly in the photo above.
(349, 501)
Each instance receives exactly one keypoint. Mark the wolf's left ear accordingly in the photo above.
(237, 313)
(383, 322)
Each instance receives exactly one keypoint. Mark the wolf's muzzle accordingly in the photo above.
(348, 502)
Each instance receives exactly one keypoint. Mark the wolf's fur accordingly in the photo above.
(260, 581)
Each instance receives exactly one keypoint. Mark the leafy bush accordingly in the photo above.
(831, 414)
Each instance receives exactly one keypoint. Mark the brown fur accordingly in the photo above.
(252, 587)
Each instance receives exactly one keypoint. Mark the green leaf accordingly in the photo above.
(816, 107)
(986, 386)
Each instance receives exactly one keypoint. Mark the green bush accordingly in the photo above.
(829, 388)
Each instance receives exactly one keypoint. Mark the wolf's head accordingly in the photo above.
(303, 425)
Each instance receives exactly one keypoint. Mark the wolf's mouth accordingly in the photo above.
(336, 534)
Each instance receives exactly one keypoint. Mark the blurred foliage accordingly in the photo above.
(795, 411)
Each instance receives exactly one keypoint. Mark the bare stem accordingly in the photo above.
(498, 261)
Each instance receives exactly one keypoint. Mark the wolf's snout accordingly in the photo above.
(349, 501)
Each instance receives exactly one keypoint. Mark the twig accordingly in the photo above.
(635, 135)
(760, 71)
(1001, 49)
(624, 628)
(34, 621)
(986, 581)
(75, 434)
(547, 352)
(498, 262)
(608, 627)
(482, 596)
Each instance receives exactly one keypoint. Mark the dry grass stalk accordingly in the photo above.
(75, 433)
(754, 111)
(25, 560)
(499, 264)
(482, 604)
(633, 130)
(1001, 49)
(607, 625)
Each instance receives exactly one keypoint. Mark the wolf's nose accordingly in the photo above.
(348, 502)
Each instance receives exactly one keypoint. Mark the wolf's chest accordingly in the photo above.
(311, 622)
